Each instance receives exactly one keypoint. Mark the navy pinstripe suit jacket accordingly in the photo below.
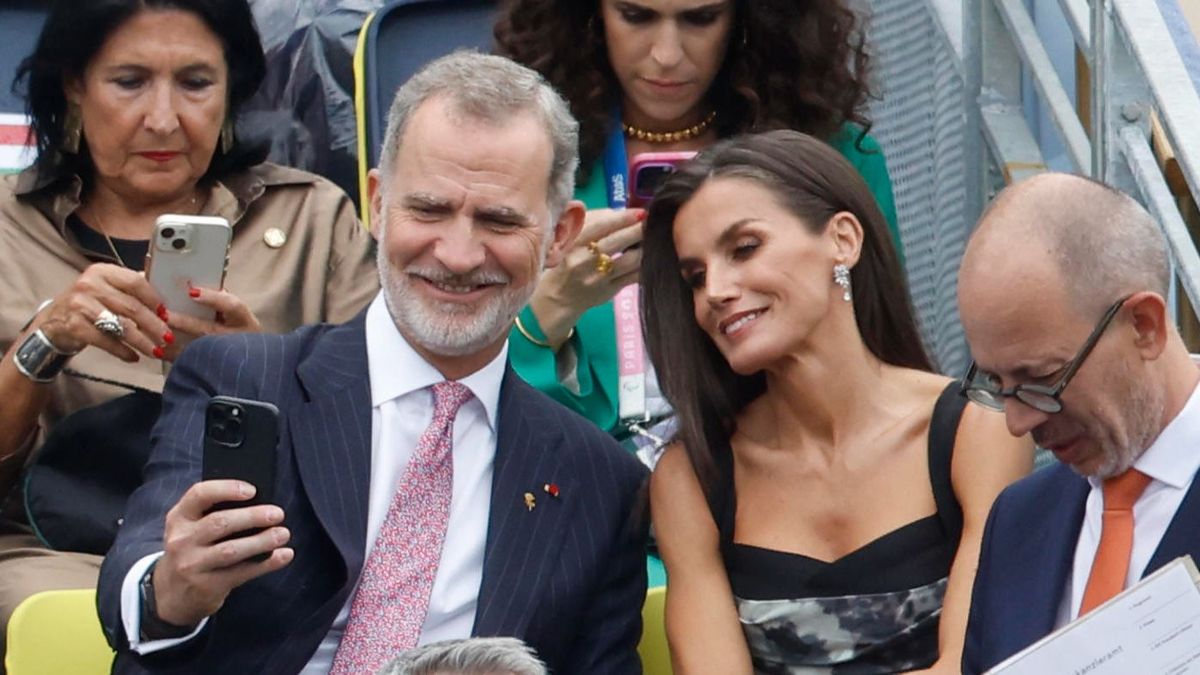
(567, 577)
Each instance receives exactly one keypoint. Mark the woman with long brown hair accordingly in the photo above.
(823, 505)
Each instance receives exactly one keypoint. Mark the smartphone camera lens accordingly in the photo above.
(650, 177)
(225, 426)
(167, 232)
(178, 244)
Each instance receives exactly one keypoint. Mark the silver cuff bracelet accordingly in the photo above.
(38, 359)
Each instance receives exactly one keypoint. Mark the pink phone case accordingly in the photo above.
(648, 170)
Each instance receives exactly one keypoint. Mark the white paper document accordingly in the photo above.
(1151, 628)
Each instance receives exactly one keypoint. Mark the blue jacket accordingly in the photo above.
(1027, 554)
(569, 577)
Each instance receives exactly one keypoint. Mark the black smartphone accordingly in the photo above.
(240, 442)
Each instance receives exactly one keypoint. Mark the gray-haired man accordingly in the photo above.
(422, 491)
(474, 656)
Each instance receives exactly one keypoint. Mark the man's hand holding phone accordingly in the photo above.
(201, 565)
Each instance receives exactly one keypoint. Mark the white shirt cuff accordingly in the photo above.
(131, 611)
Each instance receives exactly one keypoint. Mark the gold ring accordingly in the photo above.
(604, 264)
(604, 261)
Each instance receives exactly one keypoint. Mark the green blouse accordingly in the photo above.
(595, 340)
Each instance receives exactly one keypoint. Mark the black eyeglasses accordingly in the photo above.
(983, 390)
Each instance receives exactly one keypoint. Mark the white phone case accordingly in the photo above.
(188, 251)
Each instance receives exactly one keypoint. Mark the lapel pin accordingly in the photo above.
(275, 237)
(530, 502)
(551, 489)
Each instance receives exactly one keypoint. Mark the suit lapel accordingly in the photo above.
(523, 544)
(1045, 560)
(1181, 536)
(331, 437)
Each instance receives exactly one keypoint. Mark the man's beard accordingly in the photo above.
(1142, 408)
(448, 328)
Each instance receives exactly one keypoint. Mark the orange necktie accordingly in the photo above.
(1111, 565)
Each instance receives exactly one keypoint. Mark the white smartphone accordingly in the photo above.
(188, 251)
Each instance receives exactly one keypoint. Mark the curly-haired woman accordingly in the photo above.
(666, 75)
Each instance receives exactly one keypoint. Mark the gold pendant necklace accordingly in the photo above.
(103, 229)
(671, 136)
(111, 246)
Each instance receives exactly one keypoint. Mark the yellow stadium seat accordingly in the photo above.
(57, 632)
(656, 658)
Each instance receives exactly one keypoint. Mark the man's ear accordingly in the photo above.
(1148, 315)
(375, 202)
(846, 232)
(570, 222)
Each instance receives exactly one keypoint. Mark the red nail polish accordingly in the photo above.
(169, 338)
(194, 292)
(641, 215)
(158, 352)
(161, 310)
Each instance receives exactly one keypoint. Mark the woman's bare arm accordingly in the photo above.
(703, 630)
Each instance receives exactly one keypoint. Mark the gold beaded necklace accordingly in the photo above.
(671, 136)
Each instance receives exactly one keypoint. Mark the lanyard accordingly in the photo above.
(631, 355)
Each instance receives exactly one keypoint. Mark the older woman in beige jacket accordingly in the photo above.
(133, 124)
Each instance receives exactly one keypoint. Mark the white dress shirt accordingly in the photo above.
(1171, 462)
(401, 409)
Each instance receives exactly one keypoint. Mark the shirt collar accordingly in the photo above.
(396, 369)
(1172, 458)
(59, 196)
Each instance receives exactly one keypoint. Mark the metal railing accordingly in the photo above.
(1135, 73)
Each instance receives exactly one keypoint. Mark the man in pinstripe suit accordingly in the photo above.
(540, 538)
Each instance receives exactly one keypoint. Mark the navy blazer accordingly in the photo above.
(1027, 554)
(568, 577)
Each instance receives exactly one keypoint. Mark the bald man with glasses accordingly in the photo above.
(1062, 294)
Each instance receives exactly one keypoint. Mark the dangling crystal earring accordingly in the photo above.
(841, 277)
(227, 136)
(72, 129)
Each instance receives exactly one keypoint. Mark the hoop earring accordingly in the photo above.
(841, 277)
(72, 129)
(227, 136)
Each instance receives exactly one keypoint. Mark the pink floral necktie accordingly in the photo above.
(392, 600)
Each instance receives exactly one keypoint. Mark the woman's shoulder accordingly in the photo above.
(278, 192)
(270, 175)
(854, 144)
(8, 192)
(19, 207)
(920, 395)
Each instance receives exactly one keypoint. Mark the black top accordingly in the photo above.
(880, 603)
(132, 251)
